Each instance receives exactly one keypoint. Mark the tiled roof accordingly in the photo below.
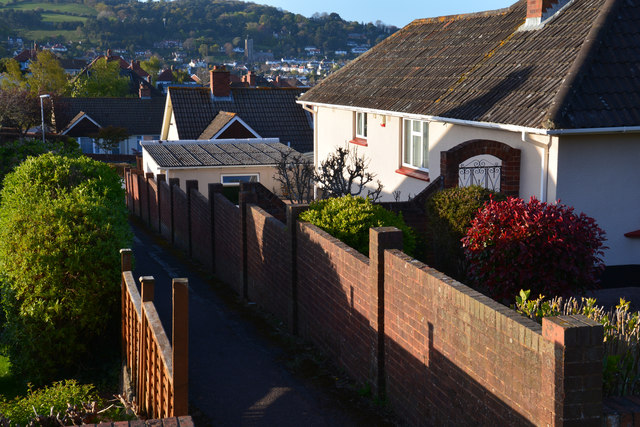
(202, 154)
(216, 125)
(272, 113)
(138, 116)
(26, 55)
(165, 76)
(478, 67)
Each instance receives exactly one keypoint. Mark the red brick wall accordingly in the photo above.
(269, 263)
(201, 229)
(335, 301)
(180, 217)
(153, 204)
(165, 210)
(228, 244)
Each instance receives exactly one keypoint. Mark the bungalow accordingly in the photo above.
(541, 98)
(268, 112)
(82, 118)
(228, 162)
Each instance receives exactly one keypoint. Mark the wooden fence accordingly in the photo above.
(157, 370)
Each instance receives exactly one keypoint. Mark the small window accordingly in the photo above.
(235, 180)
(415, 145)
(361, 125)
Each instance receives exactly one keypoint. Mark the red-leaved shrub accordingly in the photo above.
(547, 248)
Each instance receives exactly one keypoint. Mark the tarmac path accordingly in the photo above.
(236, 376)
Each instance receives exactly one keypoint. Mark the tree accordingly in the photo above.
(62, 222)
(47, 76)
(110, 137)
(13, 77)
(295, 174)
(345, 173)
(19, 109)
(103, 79)
(152, 66)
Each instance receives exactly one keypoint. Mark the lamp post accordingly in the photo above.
(42, 97)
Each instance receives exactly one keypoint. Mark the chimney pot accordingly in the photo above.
(537, 8)
(144, 92)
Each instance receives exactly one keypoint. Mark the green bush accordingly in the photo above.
(449, 216)
(58, 395)
(621, 359)
(12, 153)
(349, 218)
(62, 222)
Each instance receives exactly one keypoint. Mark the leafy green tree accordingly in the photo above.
(103, 79)
(110, 137)
(152, 66)
(19, 109)
(47, 76)
(62, 222)
(13, 77)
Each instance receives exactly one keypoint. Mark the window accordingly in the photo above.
(415, 146)
(361, 125)
(235, 180)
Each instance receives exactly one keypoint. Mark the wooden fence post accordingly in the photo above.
(125, 265)
(213, 190)
(180, 344)
(192, 185)
(147, 287)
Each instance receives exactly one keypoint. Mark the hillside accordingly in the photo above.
(208, 27)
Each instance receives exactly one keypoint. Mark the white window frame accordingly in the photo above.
(237, 184)
(361, 131)
(411, 133)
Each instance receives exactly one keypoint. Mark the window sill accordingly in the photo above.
(414, 173)
(359, 141)
(633, 234)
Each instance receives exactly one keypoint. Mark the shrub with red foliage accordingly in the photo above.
(513, 245)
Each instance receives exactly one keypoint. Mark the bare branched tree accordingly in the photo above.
(295, 174)
(344, 172)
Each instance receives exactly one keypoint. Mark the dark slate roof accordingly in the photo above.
(478, 67)
(216, 125)
(202, 154)
(272, 113)
(138, 116)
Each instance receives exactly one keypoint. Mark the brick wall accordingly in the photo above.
(439, 352)
(164, 209)
(335, 302)
(268, 263)
(180, 216)
(228, 243)
(201, 229)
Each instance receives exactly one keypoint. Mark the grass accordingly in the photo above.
(78, 8)
(56, 17)
(69, 35)
(10, 386)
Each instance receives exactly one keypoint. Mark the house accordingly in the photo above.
(82, 118)
(542, 97)
(167, 78)
(269, 112)
(228, 162)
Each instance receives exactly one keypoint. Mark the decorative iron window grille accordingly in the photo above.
(480, 172)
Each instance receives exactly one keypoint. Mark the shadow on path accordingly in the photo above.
(236, 375)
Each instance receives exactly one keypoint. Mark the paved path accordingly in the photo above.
(235, 378)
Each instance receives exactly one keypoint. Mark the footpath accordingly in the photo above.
(236, 375)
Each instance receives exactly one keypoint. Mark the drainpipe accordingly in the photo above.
(544, 166)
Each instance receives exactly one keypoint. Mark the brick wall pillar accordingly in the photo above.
(192, 185)
(127, 186)
(213, 190)
(247, 197)
(575, 380)
(173, 182)
(293, 212)
(380, 238)
(160, 178)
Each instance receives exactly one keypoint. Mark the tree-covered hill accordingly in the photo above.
(205, 26)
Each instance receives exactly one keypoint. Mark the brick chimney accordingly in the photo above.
(537, 8)
(144, 91)
(250, 78)
(220, 82)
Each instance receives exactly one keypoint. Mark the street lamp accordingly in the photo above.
(42, 97)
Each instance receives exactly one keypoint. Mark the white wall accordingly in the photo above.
(600, 176)
(335, 128)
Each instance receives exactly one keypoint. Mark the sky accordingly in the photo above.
(394, 12)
